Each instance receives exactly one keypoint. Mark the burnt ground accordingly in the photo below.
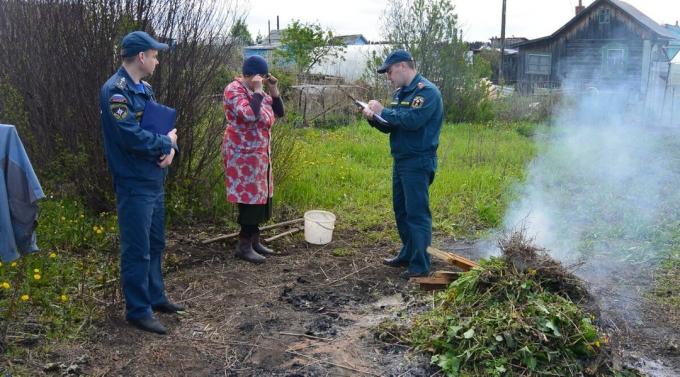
(645, 337)
(313, 311)
(303, 313)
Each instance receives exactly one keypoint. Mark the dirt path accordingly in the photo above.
(306, 313)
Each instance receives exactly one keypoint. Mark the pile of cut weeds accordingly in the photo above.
(519, 314)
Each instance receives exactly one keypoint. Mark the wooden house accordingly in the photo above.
(609, 44)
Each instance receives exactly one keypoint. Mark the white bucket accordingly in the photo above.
(319, 227)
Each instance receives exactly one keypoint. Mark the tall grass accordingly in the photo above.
(349, 171)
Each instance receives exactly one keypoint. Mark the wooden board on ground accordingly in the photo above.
(436, 281)
(454, 259)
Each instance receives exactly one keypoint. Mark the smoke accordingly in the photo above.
(602, 183)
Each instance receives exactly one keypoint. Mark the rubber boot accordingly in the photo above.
(244, 250)
(258, 247)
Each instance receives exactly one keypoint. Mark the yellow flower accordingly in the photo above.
(37, 276)
(532, 272)
(24, 297)
(36, 270)
(14, 264)
(63, 218)
(94, 228)
(5, 285)
(53, 255)
(99, 231)
(597, 343)
(82, 216)
(0, 264)
(63, 298)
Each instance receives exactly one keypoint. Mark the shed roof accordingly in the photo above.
(633, 12)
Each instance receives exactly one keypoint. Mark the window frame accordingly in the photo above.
(543, 72)
(604, 16)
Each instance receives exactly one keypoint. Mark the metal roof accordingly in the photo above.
(633, 12)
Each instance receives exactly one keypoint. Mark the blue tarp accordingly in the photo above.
(19, 193)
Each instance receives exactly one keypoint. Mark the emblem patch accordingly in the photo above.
(119, 110)
(417, 102)
(118, 98)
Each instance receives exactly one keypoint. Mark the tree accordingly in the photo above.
(308, 44)
(239, 32)
(429, 30)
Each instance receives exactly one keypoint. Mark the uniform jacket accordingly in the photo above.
(415, 118)
(246, 148)
(131, 152)
(19, 193)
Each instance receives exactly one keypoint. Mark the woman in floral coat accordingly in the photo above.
(246, 152)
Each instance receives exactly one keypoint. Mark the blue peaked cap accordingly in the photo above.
(139, 41)
(395, 57)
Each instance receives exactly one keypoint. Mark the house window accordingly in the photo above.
(615, 60)
(538, 64)
(604, 15)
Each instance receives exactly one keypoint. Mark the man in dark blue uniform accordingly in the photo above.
(413, 121)
(138, 161)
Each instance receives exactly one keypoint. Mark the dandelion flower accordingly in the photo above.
(99, 231)
(53, 255)
(37, 276)
(94, 228)
(24, 297)
(14, 264)
(0, 264)
(597, 343)
(63, 298)
(36, 270)
(63, 218)
(5, 285)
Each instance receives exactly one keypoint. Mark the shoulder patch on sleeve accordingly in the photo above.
(417, 102)
(119, 110)
(118, 98)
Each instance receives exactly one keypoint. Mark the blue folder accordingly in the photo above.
(158, 118)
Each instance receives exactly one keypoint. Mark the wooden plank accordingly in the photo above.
(454, 259)
(294, 230)
(235, 234)
(437, 281)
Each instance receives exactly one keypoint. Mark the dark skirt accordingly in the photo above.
(254, 214)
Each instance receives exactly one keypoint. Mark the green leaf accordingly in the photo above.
(551, 325)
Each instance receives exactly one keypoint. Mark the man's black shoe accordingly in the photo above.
(395, 262)
(167, 307)
(150, 324)
(408, 274)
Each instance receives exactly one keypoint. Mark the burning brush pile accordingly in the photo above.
(519, 314)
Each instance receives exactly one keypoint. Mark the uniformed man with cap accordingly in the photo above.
(138, 161)
(414, 120)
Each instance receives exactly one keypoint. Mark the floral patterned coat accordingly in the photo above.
(246, 148)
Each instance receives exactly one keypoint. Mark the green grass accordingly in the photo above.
(348, 171)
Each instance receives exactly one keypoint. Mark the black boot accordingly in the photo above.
(167, 307)
(258, 247)
(150, 324)
(244, 250)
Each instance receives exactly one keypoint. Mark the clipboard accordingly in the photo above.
(158, 118)
(364, 105)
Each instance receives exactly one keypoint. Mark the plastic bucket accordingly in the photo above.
(319, 227)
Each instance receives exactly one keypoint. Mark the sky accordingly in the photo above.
(479, 19)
